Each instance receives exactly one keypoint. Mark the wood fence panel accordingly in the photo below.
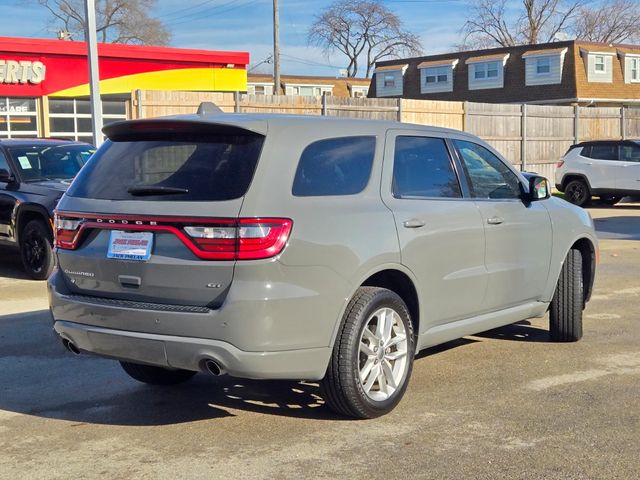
(499, 125)
(155, 103)
(549, 134)
(282, 104)
(428, 112)
(632, 122)
(599, 123)
(371, 108)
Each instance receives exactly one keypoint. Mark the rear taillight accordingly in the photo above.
(65, 231)
(560, 163)
(246, 239)
(207, 238)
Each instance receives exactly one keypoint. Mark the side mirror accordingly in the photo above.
(6, 176)
(538, 188)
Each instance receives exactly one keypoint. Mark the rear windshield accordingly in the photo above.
(50, 162)
(187, 168)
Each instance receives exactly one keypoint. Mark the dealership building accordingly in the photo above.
(44, 84)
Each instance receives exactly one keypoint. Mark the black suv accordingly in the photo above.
(34, 173)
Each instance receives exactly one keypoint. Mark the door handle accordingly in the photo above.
(413, 223)
(495, 220)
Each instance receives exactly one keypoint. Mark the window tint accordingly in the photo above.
(630, 153)
(488, 175)
(422, 168)
(336, 166)
(207, 167)
(3, 163)
(603, 152)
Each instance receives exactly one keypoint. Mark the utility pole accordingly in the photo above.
(94, 76)
(276, 49)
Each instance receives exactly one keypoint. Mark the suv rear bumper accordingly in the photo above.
(191, 353)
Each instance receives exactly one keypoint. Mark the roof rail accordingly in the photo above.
(208, 108)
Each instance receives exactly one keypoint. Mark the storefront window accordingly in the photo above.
(18, 117)
(71, 117)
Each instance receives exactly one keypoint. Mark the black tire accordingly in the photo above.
(341, 387)
(36, 250)
(577, 192)
(565, 312)
(156, 375)
(610, 200)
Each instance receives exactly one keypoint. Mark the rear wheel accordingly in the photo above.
(611, 200)
(565, 312)
(372, 357)
(36, 250)
(156, 375)
(577, 192)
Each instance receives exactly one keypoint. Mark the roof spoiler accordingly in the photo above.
(208, 108)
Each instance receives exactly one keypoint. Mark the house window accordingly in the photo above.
(436, 75)
(359, 92)
(260, 89)
(635, 69)
(389, 80)
(486, 70)
(543, 65)
(599, 64)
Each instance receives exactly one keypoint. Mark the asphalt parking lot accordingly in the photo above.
(503, 404)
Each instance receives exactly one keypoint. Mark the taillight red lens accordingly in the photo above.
(248, 239)
(65, 231)
(207, 238)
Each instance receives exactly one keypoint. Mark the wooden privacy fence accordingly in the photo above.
(532, 137)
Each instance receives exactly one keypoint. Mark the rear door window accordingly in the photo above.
(607, 151)
(422, 168)
(203, 167)
(335, 166)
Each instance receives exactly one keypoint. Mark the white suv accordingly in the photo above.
(607, 169)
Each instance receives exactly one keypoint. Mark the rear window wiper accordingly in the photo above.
(142, 190)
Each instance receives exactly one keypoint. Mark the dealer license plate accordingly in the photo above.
(130, 245)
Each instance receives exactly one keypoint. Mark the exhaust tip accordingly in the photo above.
(213, 368)
(70, 346)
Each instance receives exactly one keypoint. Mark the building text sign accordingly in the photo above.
(21, 71)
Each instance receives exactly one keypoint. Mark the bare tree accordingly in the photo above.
(363, 29)
(612, 22)
(117, 21)
(539, 22)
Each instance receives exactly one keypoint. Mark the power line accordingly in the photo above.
(201, 16)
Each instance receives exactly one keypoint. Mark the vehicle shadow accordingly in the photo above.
(518, 332)
(11, 265)
(618, 228)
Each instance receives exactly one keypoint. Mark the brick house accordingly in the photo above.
(259, 84)
(559, 73)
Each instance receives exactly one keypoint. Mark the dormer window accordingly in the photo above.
(389, 80)
(543, 65)
(437, 75)
(600, 64)
(487, 71)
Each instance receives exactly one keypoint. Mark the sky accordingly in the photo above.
(246, 25)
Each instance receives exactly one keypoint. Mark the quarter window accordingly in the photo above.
(422, 168)
(336, 166)
(488, 175)
(3, 163)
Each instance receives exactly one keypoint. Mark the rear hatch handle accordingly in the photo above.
(129, 281)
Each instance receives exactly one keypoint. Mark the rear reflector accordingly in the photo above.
(207, 238)
(560, 163)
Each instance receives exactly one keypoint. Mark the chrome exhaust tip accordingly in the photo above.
(212, 367)
(70, 346)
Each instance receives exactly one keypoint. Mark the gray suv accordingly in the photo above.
(284, 247)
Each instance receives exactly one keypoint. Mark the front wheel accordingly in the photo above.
(565, 312)
(156, 375)
(36, 250)
(577, 192)
(372, 357)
